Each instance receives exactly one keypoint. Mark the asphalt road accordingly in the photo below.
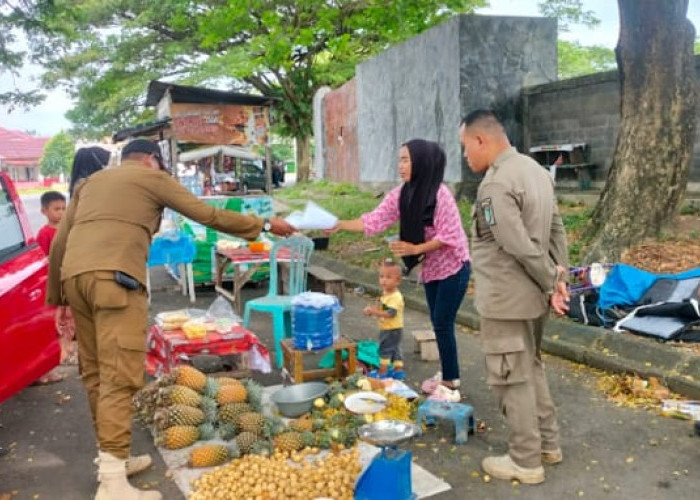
(609, 451)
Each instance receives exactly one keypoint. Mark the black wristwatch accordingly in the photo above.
(267, 226)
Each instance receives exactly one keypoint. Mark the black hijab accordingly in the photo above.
(419, 194)
(86, 162)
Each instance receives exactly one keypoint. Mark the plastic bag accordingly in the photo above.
(222, 314)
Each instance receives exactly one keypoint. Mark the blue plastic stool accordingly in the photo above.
(462, 415)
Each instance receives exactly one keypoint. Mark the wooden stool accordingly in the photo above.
(293, 360)
(326, 281)
(426, 345)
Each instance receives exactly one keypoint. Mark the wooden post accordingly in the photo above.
(268, 169)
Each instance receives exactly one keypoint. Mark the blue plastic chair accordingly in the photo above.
(278, 305)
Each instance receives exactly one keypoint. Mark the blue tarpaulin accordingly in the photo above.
(625, 284)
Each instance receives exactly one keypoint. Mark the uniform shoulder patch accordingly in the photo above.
(486, 207)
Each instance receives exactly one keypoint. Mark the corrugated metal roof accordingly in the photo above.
(186, 94)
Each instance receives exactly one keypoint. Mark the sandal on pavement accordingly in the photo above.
(445, 394)
(49, 378)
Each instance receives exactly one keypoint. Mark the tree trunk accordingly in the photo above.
(658, 101)
(303, 157)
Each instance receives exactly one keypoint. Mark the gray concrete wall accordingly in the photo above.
(500, 56)
(584, 109)
(409, 91)
(424, 86)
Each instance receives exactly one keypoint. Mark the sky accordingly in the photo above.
(49, 119)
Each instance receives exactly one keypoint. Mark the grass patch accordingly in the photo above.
(347, 201)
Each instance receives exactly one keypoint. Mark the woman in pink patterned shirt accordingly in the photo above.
(431, 233)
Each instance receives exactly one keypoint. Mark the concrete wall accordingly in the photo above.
(423, 87)
(500, 56)
(409, 91)
(341, 154)
(584, 109)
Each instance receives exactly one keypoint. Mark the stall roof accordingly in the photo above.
(142, 129)
(233, 151)
(199, 95)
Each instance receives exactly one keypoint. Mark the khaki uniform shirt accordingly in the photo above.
(112, 217)
(517, 239)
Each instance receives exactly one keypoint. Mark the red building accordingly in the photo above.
(20, 154)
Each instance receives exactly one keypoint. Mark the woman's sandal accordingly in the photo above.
(49, 378)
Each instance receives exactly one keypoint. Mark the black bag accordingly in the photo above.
(583, 308)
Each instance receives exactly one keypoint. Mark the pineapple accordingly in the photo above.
(230, 412)
(350, 383)
(288, 441)
(231, 394)
(210, 409)
(145, 402)
(255, 392)
(190, 377)
(246, 441)
(302, 424)
(251, 422)
(228, 381)
(211, 388)
(263, 448)
(210, 455)
(178, 415)
(207, 431)
(227, 431)
(178, 436)
(308, 439)
(323, 440)
(318, 424)
(179, 394)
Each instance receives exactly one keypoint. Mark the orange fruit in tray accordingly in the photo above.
(256, 246)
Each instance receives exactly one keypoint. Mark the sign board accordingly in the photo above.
(220, 123)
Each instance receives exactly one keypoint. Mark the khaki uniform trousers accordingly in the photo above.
(110, 326)
(515, 372)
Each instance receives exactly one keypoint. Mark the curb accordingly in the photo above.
(596, 347)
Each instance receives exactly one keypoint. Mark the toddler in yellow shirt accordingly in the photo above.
(389, 313)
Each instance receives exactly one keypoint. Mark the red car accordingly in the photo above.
(29, 346)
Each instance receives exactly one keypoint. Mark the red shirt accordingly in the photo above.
(45, 236)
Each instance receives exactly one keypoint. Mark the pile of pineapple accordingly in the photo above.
(186, 406)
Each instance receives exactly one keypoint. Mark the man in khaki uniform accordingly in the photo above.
(97, 265)
(519, 255)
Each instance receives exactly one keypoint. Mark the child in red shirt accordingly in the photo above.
(53, 206)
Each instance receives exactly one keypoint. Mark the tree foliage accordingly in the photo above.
(13, 19)
(576, 59)
(58, 155)
(106, 52)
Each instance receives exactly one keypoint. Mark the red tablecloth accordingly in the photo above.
(167, 349)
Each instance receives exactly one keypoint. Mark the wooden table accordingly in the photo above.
(238, 258)
(293, 360)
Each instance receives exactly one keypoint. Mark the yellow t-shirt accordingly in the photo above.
(392, 301)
